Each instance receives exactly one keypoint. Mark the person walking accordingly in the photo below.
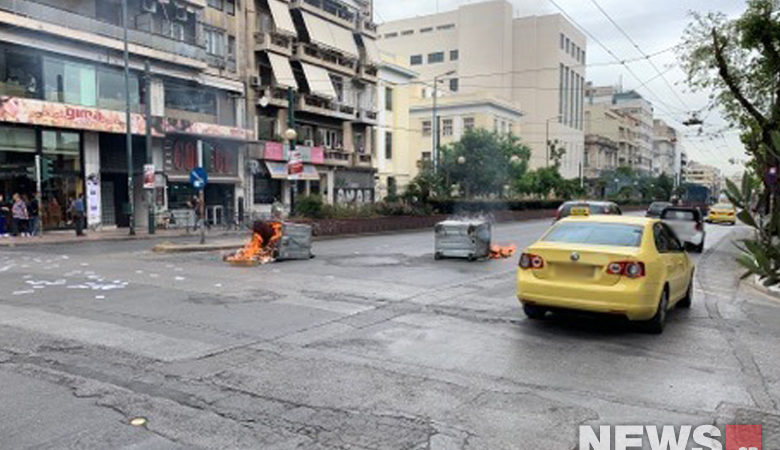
(34, 213)
(77, 212)
(3, 221)
(20, 215)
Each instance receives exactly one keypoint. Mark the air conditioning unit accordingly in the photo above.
(149, 6)
(308, 143)
(254, 81)
(181, 13)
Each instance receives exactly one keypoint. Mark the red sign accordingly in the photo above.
(317, 155)
(274, 151)
(743, 437)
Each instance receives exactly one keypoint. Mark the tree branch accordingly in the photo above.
(725, 74)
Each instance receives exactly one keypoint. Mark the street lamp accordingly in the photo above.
(128, 124)
(436, 117)
(547, 138)
(291, 135)
(461, 160)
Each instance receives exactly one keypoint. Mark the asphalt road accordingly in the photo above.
(371, 345)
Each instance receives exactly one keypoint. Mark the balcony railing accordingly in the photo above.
(320, 7)
(362, 160)
(59, 16)
(337, 157)
(273, 41)
(318, 105)
(330, 60)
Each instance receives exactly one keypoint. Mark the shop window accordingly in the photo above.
(19, 74)
(190, 98)
(111, 89)
(267, 190)
(69, 82)
(61, 176)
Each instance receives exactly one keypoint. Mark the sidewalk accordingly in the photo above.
(116, 234)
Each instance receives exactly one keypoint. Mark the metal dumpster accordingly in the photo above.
(462, 239)
(295, 242)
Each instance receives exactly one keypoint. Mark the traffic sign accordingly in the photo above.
(199, 178)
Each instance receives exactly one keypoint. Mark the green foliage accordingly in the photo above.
(426, 186)
(309, 206)
(760, 254)
(540, 183)
(482, 163)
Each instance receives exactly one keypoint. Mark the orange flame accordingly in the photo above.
(256, 251)
(502, 252)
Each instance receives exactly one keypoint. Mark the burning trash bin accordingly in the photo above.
(272, 240)
(462, 239)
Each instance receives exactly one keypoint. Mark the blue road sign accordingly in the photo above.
(199, 178)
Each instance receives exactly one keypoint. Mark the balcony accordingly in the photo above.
(367, 116)
(337, 158)
(65, 22)
(339, 15)
(274, 42)
(317, 105)
(277, 96)
(368, 28)
(362, 160)
(329, 60)
(368, 73)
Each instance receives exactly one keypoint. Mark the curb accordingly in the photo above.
(758, 286)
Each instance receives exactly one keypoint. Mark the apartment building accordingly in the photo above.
(665, 151)
(705, 175)
(532, 66)
(605, 126)
(631, 104)
(324, 52)
(396, 162)
(62, 92)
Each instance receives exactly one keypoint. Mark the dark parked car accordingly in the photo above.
(587, 208)
(656, 208)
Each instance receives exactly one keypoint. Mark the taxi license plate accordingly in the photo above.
(580, 211)
(575, 271)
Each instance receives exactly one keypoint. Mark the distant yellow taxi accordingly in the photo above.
(620, 265)
(723, 213)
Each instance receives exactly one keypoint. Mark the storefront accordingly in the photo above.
(61, 172)
(220, 159)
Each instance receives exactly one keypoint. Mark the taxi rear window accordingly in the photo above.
(616, 234)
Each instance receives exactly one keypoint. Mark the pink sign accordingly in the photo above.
(317, 155)
(274, 151)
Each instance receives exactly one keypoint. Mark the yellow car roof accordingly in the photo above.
(628, 220)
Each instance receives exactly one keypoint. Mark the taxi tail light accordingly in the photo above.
(630, 269)
(530, 261)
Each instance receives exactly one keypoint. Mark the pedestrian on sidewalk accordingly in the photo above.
(20, 216)
(3, 214)
(34, 212)
(77, 212)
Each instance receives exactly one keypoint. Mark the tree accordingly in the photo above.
(738, 61)
(541, 182)
(482, 163)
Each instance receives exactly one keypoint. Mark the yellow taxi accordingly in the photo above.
(621, 265)
(723, 213)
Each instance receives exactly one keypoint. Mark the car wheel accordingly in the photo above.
(688, 299)
(699, 248)
(657, 323)
(534, 312)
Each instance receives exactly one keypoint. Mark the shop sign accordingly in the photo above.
(295, 166)
(61, 115)
(148, 176)
(181, 157)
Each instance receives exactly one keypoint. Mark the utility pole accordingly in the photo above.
(291, 137)
(201, 198)
(149, 159)
(435, 124)
(129, 125)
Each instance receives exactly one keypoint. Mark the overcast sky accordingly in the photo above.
(655, 25)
